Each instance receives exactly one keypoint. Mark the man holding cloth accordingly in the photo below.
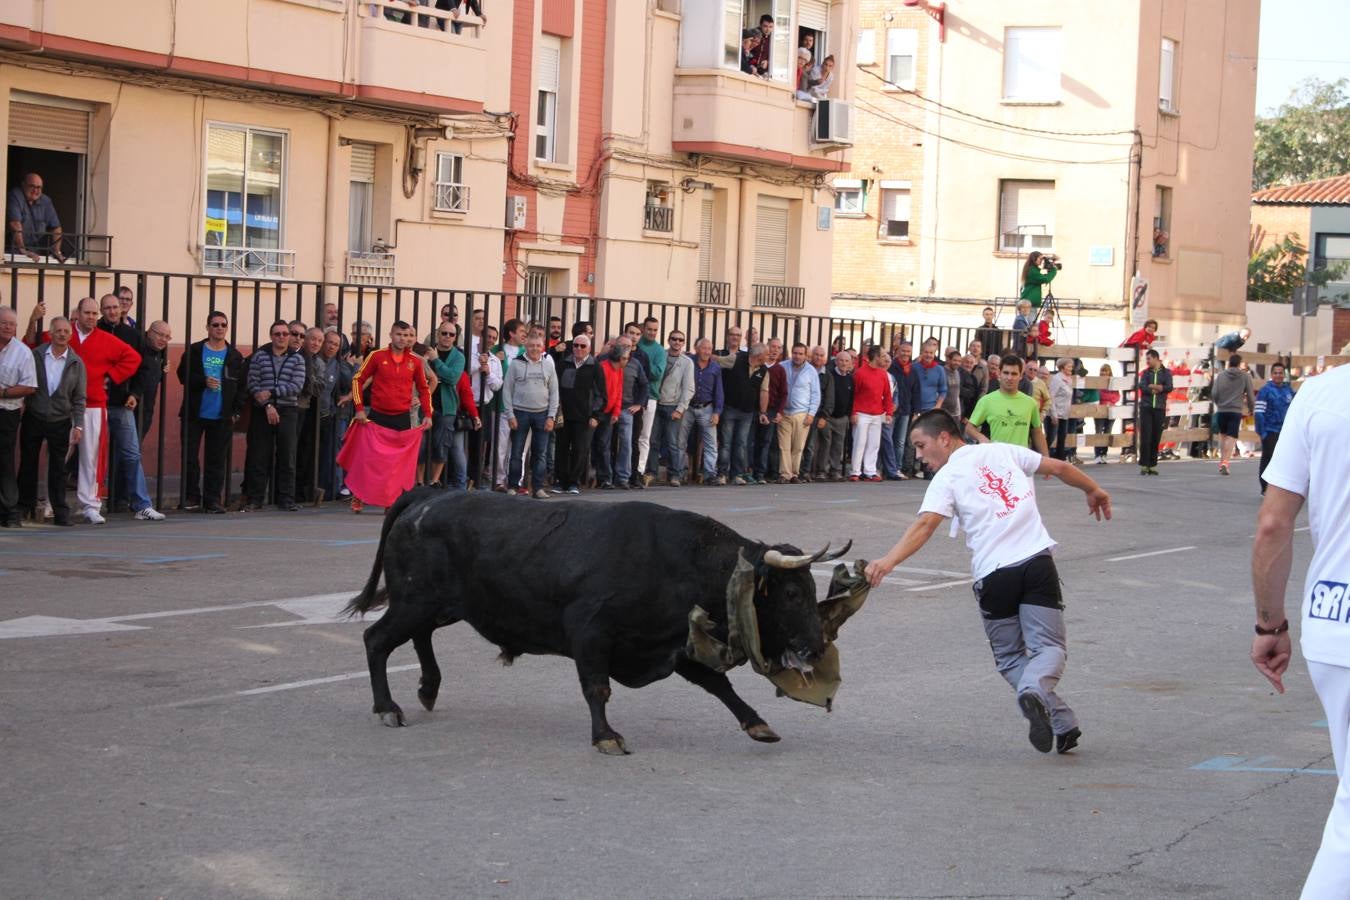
(380, 452)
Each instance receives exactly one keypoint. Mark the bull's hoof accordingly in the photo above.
(762, 733)
(427, 699)
(393, 719)
(612, 746)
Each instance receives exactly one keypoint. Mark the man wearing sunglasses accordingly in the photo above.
(211, 372)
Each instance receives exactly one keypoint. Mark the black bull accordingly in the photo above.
(609, 585)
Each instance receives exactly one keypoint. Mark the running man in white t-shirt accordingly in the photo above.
(989, 490)
(1312, 464)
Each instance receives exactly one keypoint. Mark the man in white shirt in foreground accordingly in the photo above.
(988, 489)
(1311, 465)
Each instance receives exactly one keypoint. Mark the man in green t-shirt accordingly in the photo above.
(1013, 417)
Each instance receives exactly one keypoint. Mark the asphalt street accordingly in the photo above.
(181, 715)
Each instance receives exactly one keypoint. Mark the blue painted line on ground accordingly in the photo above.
(156, 560)
(837, 502)
(1242, 764)
(1320, 723)
(750, 508)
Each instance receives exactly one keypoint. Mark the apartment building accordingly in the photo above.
(287, 139)
(564, 147)
(1118, 137)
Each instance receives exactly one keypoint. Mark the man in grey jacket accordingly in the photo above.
(530, 404)
(53, 414)
(670, 436)
(1233, 398)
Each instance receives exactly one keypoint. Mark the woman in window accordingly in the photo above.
(1040, 269)
(819, 79)
(750, 40)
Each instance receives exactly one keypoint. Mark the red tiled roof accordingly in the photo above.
(1323, 192)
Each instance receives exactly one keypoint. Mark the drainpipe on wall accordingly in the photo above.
(1132, 232)
(331, 263)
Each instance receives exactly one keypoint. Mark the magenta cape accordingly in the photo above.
(380, 463)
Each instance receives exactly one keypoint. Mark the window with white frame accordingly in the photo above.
(712, 35)
(1026, 216)
(893, 223)
(901, 46)
(361, 198)
(452, 195)
(546, 99)
(1031, 64)
(813, 23)
(244, 188)
(1167, 76)
(867, 47)
(850, 197)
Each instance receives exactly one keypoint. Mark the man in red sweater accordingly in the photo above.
(392, 373)
(106, 359)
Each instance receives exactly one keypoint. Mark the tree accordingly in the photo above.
(1274, 273)
(1308, 137)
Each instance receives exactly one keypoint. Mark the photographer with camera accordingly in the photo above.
(1040, 269)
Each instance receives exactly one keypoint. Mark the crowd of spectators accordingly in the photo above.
(395, 12)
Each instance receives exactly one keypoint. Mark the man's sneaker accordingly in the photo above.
(192, 503)
(674, 482)
(344, 493)
(1068, 740)
(540, 494)
(574, 490)
(875, 479)
(1041, 735)
(1223, 468)
(357, 506)
(1153, 470)
(1143, 470)
(93, 517)
(149, 514)
(557, 489)
(1101, 461)
(738, 481)
(853, 478)
(525, 492)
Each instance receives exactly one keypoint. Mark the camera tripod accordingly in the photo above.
(1050, 310)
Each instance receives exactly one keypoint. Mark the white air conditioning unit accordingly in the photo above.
(516, 206)
(832, 123)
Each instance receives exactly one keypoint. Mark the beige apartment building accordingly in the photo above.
(583, 147)
(278, 139)
(1116, 136)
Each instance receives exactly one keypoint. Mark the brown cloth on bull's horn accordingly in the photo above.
(846, 596)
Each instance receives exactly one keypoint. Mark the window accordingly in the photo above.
(711, 33)
(546, 101)
(1167, 76)
(1026, 216)
(361, 198)
(1332, 251)
(813, 23)
(850, 197)
(901, 44)
(657, 212)
(893, 223)
(867, 47)
(706, 224)
(771, 240)
(1031, 62)
(452, 195)
(244, 196)
(51, 136)
(1162, 222)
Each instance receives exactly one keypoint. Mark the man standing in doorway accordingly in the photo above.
(1311, 466)
(988, 488)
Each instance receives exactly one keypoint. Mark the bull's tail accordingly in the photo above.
(373, 596)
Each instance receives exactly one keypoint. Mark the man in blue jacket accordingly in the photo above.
(1272, 402)
(897, 454)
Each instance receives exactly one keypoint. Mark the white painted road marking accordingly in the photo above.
(1152, 553)
(46, 626)
(945, 584)
(309, 682)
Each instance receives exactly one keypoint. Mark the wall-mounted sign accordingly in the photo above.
(1101, 256)
(824, 217)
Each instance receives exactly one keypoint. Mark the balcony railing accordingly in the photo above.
(658, 218)
(249, 262)
(452, 197)
(94, 250)
(714, 293)
(423, 15)
(370, 268)
(778, 296)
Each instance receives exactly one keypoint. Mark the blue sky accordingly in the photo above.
(1298, 40)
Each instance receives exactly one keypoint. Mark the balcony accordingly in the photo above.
(88, 250)
(297, 47)
(714, 293)
(248, 262)
(777, 296)
(658, 218)
(370, 268)
(719, 112)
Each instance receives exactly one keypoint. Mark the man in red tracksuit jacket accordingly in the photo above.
(106, 359)
(392, 374)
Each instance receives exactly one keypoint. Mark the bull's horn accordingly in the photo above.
(783, 561)
(838, 553)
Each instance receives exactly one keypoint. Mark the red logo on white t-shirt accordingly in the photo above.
(999, 486)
